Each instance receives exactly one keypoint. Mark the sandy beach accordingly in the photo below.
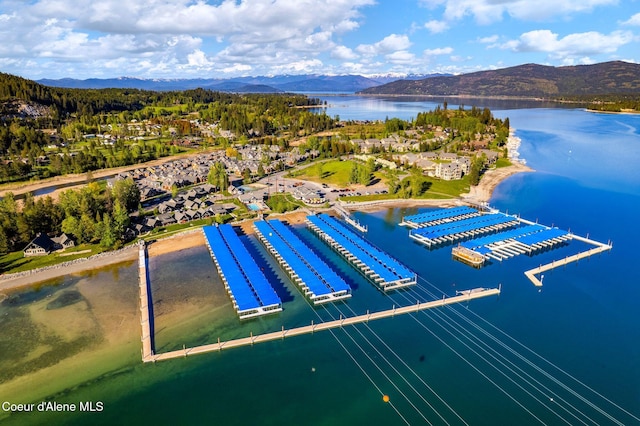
(491, 179)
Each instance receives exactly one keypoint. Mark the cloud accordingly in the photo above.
(486, 12)
(572, 45)
(401, 57)
(390, 43)
(164, 35)
(305, 65)
(634, 20)
(343, 53)
(438, 51)
(489, 40)
(436, 27)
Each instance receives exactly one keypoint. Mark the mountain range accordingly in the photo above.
(265, 84)
(529, 80)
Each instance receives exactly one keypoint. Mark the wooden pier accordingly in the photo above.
(599, 248)
(145, 308)
(220, 345)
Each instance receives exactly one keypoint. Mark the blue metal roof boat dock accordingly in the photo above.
(375, 264)
(250, 292)
(314, 277)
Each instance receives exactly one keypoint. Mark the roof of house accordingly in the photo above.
(41, 240)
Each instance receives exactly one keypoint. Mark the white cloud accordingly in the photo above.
(401, 57)
(236, 69)
(436, 27)
(304, 65)
(198, 59)
(165, 35)
(634, 20)
(438, 51)
(390, 43)
(343, 53)
(489, 11)
(572, 45)
(489, 40)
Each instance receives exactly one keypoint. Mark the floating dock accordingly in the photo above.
(599, 248)
(250, 292)
(461, 227)
(461, 297)
(437, 217)
(315, 278)
(380, 268)
(524, 240)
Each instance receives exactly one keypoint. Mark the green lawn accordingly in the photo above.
(16, 262)
(334, 172)
(452, 188)
(503, 162)
(281, 203)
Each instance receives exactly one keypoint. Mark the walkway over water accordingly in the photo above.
(419, 306)
(375, 264)
(599, 248)
(317, 281)
(145, 303)
(250, 292)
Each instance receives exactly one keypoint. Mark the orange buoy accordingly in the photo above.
(385, 398)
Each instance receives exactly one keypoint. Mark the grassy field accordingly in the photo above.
(16, 262)
(503, 162)
(334, 172)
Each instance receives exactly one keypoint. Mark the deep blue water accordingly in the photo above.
(585, 320)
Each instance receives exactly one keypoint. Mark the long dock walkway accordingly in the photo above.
(600, 247)
(220, 345)
(145, 308)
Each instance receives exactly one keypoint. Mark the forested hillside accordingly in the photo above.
(48, 131)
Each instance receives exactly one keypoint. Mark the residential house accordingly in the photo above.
(41, 245)
(62, 242)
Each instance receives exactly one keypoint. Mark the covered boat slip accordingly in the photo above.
(316, 279)
(526, 239)
(471, 227)
(439, 216)
(250, 292)
(375, 264)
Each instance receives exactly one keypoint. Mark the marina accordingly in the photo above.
(380, 268)
(250, 292)
(313, 276)
(494, 236)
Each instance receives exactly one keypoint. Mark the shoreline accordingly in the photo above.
(480, 194)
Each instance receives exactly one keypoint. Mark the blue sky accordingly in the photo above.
(222, 39)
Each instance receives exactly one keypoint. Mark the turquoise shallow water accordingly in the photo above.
(584, 320)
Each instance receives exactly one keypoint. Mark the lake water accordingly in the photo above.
(445, 366)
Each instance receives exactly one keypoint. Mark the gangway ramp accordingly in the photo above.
(314, 277)
(380, 268)
(250, 292)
